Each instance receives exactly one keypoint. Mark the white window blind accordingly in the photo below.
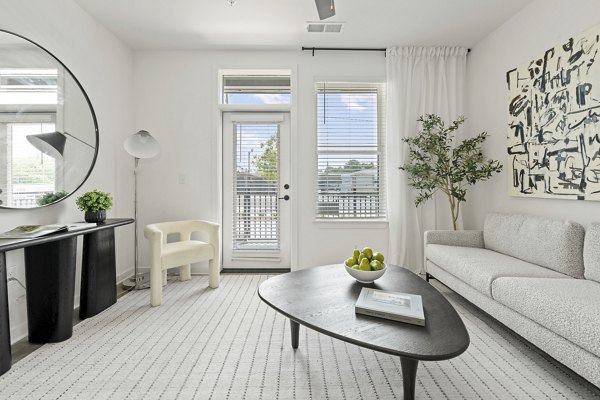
(350, 152)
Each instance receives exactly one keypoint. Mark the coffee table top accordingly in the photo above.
(323, 298)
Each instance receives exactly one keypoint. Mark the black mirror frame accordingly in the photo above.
(89, 103)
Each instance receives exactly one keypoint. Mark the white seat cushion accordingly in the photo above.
(185, 252)
(569, 307)
(479, 267)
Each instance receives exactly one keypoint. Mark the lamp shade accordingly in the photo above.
(142, 145)
(51, 144)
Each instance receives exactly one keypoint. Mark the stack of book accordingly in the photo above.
(395, 306)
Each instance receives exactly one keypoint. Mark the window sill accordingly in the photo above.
(351, 224)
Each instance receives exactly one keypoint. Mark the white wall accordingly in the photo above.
(176, 98)
(538, 27)
(103, 65)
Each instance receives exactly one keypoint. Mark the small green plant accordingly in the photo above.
(50, 197)
(94, 201)
(435, 163)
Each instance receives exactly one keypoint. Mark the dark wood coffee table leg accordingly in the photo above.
(409, 376)
(295, 328)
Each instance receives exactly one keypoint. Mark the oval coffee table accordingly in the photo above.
(323, 298)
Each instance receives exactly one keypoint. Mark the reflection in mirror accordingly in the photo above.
(48, 130)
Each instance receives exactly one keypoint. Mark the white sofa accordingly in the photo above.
(539, 277)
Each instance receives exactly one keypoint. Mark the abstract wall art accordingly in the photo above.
(554, 122)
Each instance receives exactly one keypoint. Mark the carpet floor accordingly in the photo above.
(226, 344)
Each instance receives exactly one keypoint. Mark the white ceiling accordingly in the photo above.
(281, 24)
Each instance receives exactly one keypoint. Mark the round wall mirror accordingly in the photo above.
(48, 129)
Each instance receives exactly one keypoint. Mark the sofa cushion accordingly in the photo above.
(591, 252)
(553, 244)
(479, 267)
(568, 307)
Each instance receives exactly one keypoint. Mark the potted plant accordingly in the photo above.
(437, 163)
(95, 204)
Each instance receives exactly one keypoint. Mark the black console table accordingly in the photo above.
(50, 280)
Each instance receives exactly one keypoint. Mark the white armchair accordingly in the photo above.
(182, 253)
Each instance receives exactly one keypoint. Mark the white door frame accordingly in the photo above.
(217, 144)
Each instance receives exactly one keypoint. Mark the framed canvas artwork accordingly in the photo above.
(553, 122)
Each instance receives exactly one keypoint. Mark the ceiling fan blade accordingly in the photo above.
(326, 8)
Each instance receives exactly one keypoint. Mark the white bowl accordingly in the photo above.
(366, 276)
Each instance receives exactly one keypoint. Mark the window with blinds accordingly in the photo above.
(29, 86)
(256, 89)
(31, 173)
(350, 152)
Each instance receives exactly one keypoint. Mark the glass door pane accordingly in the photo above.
(256, 182)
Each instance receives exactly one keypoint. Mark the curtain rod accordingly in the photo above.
(313, 49)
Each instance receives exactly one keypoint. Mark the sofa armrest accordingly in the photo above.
(455, 238)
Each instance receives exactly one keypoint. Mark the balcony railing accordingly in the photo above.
(349, 205)
(25, 199)
(256, 222)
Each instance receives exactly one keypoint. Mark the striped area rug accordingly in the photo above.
(227, 344)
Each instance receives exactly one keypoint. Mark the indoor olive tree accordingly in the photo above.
(436, 163)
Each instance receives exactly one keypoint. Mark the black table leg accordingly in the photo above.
(50, 277)
(409, 376)
(98, 273)
(5, 356)
(295, 328)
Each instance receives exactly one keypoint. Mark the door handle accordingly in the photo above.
(286, 197)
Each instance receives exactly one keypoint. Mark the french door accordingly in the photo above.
(256, 190)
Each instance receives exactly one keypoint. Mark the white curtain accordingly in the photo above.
(420, 80)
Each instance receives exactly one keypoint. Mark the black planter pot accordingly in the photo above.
(95, 216)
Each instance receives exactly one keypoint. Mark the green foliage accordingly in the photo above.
(94, 201)
(349, 167)
(267, 164)
(50, 197)
(436, 164)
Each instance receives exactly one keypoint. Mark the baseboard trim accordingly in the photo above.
(255, 270)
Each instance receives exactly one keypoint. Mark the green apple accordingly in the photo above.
(368, 252)
(376, 265)
(356, 253)
(364, 265)
(378, 256)
(350, 262)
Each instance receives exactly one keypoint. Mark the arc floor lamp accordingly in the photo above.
(139, 145)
